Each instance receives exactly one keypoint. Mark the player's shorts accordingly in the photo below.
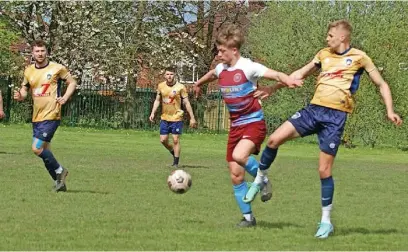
(256, 132)
(45, 130)
(328, 123)
(175, 128)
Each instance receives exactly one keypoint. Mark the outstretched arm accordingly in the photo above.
(305, 71)
(282, 78)
(386, 96)
(208, 77)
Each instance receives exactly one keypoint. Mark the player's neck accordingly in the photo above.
(170, 84)
(343, 48)
(42, 64)
(234, 61)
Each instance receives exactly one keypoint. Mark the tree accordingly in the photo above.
(287, 35)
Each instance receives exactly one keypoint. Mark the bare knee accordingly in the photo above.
(176, 141)
(237, 178)
(36, 151)
(163, 141)
(273, 141)
(325, 170)
(239, 158)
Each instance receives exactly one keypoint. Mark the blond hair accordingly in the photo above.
(343, 24)
(230, 35)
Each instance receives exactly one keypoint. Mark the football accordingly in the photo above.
(179, 181)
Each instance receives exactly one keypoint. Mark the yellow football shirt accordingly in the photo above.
(171, 100)
(339, 78)
(45, 85)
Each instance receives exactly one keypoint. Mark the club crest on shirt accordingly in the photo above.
(49, 76)
(237, 77)
(348, 61)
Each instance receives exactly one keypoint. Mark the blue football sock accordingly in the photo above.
(252, 166)
(267, 158)
(239, 192)
(49, 160)
(327, 191)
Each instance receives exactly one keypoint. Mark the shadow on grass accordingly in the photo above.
(7, 153)
(86, 191)
(360, 230)
(194, 166)
(277, 225)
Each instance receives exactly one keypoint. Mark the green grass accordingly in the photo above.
(118, 197)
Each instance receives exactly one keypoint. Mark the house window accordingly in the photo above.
(188, 73)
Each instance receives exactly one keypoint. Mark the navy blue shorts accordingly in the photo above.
(328, 123)
(175, 128)
(45, 130)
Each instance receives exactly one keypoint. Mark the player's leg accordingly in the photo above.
(327, 191)
(237, 174)
(47, 145)
(177, 149)
(300, 124)
(176, 131)
(285, 132)
(329, 141)
(164, 136)
(253, 136)
(44, 132)
(240, 187)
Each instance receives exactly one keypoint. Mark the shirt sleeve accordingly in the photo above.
(158, 91)
(257, 70)
(64, 73)
(367, 63)
(218, 69)
(25, 80)
(317, 59)
(183, 92)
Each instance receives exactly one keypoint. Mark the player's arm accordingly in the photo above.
(71, 83)
(189, 109)
(1, 107)
(299, 74)
(21, 94)
(156, 105)
(306, 70)
(282, 78)
(385, 92)
(186, 102)
(208, 77)
(263, 92)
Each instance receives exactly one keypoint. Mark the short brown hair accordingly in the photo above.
(230, 35)
(170, 69)
(344, 24)
(38, 43)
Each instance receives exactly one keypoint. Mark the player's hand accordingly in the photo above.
(396, 119)
(264, 92)
(61, 100)
(193, 123)
(293, 82)
(151, 117)
(17, 96)
(2, 114)
(197, 90)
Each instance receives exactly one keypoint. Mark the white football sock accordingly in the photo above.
(326, 214)
(248, 217)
